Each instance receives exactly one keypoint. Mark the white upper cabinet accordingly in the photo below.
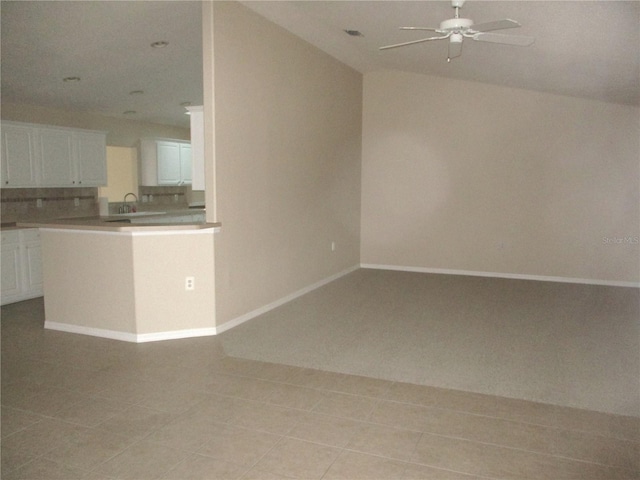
(43, 156)
(197, 147)
(185, 163)
(55, 149)
(164, 162)
(18, 156)
(91, 167)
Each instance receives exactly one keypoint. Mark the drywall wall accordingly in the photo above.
(129, 285)
(120, 132)
(287, 155)
(478, 178)
(122, 173)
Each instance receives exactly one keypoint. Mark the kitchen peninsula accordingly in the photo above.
(128, 281)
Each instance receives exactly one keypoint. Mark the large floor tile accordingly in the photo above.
(385, 441)
(199, 467)
(238, 445)
(325, 429)
(299, 459)
(88, 449)
(359, 466)
(43, 469)
(141, 461)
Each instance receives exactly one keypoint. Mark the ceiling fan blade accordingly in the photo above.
(412, 42)
(518, 40)
(497, 25)
(429, 29)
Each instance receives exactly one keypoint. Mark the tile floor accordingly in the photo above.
(77, 407)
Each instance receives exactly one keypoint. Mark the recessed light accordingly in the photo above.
(354, 33)
(129, 112)
(160, 44)
(136, 92)
(71, 79)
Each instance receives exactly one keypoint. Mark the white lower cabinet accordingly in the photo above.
(21, 265)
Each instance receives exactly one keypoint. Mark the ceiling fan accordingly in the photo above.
(456, 29)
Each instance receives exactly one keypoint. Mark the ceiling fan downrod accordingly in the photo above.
(457, 5)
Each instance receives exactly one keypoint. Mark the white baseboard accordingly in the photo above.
(129, 337)
(517, 276)
(264, 309)
(195, 332)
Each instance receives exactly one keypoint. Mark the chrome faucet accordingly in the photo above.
(126, 208)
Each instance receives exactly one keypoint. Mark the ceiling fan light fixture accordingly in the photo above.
(455, 38)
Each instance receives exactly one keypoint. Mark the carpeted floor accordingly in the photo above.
(565, 344)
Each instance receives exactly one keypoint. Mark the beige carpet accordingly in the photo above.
(565, 344)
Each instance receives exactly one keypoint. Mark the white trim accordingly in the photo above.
(517, 276)
(94, 332)
(264, 309)
(136, 233)
(176, 334)
(130, 337)
(199, 231)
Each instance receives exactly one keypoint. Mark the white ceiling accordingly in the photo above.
(587, 49)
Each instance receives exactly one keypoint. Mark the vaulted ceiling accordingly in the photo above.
(587, 49)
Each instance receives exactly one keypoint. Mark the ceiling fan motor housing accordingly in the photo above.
(456, 24)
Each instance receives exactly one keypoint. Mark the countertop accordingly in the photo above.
(113, 223)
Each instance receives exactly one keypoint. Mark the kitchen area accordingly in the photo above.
(115, 238)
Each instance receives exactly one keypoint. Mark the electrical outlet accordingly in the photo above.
(333, 246)
(76, 202)
(189, 283)
(39, 203)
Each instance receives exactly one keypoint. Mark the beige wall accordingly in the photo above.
(160, 264)
(288, 133)
(131, 284)
(88, 280)
(120, 133)
(122, 173)
(467, 176)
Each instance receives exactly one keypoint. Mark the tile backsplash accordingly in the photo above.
(155, 198)
(26, 204)
(163, 197)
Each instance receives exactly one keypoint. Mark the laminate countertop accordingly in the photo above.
(115, 223)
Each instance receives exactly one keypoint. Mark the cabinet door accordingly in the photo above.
(55, 149)
(185, 164)
(18, 156)
(11, 282)
(168, 163)
(197, 147)
(91, 159)
(33, 269)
